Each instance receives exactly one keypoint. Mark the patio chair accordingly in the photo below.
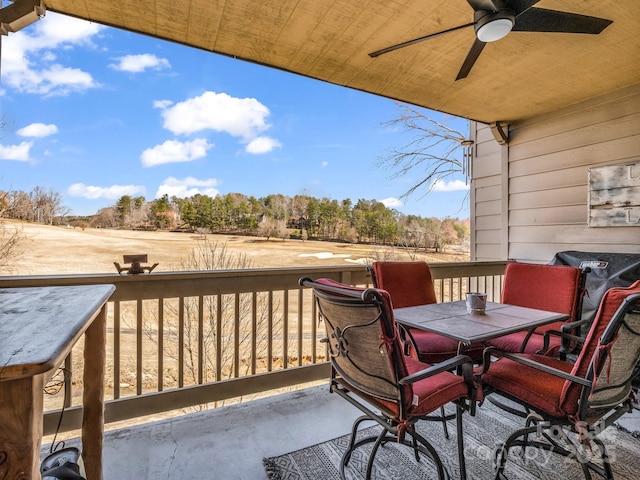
(555, 288)
(410, 284)
(571, 403)
(370, 370)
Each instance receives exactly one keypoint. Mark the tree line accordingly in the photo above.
(40, 205)
(274, 216)
(279, 216)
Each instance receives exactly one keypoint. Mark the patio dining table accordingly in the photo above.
(452, 320)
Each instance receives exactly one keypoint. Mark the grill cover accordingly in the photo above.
(607, 270)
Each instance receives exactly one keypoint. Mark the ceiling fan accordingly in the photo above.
(494, 19)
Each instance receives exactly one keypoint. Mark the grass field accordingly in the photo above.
(48, 250)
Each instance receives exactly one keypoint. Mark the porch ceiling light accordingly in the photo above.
(20, 14)
(494, 25)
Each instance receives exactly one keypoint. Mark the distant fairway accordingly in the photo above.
(59, 250)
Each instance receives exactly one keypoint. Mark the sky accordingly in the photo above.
(94, 113)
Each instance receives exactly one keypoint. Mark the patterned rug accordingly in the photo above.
(482, 434)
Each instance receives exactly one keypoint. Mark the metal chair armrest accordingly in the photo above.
(559, 333)
(409, 345)
(533, 364)
(567, 327)
(446, 366)
(566, 339)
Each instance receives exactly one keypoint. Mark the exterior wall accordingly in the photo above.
(529, 198)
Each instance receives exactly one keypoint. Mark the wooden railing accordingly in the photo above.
(193, 339)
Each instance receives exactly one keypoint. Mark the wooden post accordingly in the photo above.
(21, 422)
(93, 396)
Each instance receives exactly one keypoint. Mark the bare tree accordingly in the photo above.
(10, 238)
(435, 150)
(230, 335)
(105, 218)
(270, 227)
(10, 244)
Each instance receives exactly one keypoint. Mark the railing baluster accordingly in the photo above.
(160, 344)
(116, 350)
(218, 337)
(254, 331)
(300, 326)
(314, 329)
(285, 329)
(139, 355)
(201, 352)
(236, 337)
(68, 384)
(270, 333)
(181, 342)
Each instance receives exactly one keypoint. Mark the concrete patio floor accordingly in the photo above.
(226, 443)
(229, 443)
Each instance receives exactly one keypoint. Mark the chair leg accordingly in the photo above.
(461, 461)
(374, 450)
(444, 423)
(352, 439)
(426, 448)
(500, 455)
(557, 442)
(503, 406)
(417, 443)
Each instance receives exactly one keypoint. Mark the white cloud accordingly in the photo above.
(262, 144)
(162, 104)
(187, 187)
(113, 192)
(451, 186)
(391, 202)
(239, 117)
(173, 151)
(140, 63)
(28, 61)
(16, 152)
(38, 130)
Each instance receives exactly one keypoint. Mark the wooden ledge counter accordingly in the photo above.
(38, 328)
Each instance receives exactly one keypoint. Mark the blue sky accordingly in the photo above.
(95, 113)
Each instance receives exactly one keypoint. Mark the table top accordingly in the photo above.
(40, 325)
(452, 320)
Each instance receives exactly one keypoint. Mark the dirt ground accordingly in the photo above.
(50, 249)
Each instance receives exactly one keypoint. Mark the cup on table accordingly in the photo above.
(476, 302)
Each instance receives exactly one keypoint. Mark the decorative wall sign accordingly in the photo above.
(614, 196)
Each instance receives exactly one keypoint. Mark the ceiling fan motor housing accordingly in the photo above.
(494, 25)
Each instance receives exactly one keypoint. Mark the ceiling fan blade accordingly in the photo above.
(377, 53)
(543, 20)
(520, 6)
(487, 5)
(470, 60)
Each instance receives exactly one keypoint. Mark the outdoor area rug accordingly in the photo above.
(482, 434)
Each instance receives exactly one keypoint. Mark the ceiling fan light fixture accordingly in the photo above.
(494, 26)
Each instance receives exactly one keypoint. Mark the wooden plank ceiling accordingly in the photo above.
(522, 75)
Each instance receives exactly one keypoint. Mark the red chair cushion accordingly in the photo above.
(513, 341)
(433, 392)
(434, 348)
(408, 283)
(554, 288)
(611, 301)
(546, 287)
(547, 392)
(540, 390)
